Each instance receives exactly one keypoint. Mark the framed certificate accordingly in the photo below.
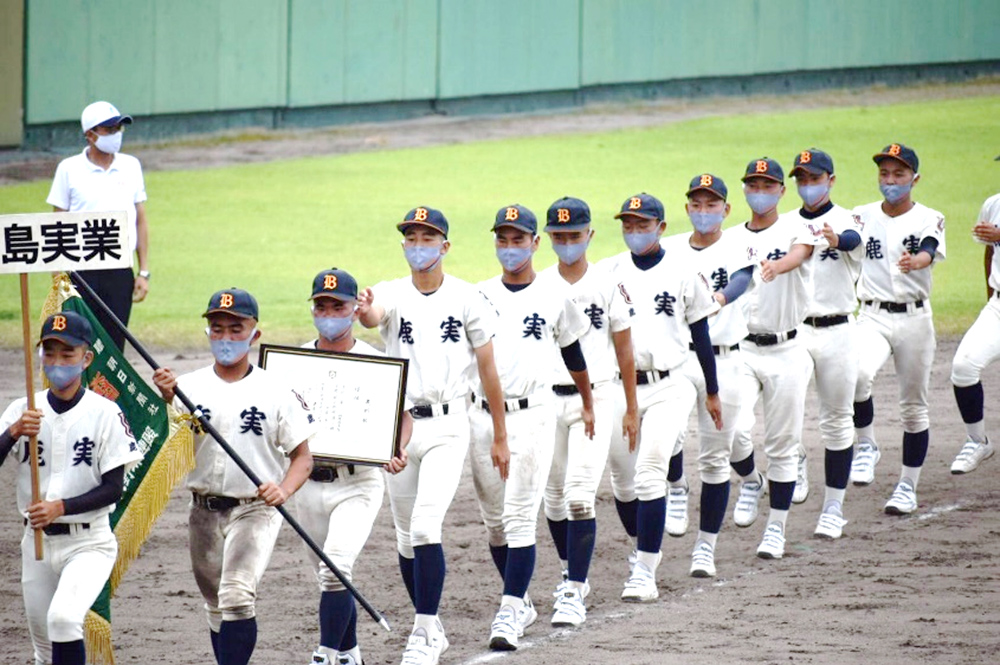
(357, 399)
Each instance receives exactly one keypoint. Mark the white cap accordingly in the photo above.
(99, 113)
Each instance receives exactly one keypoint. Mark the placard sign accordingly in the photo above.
(65, 241)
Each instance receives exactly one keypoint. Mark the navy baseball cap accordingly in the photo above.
(233, 301)
(900, 152)
(69, 328)
(424, 216)
(812, 161)
(642, 205)
(765, 167)
(335, 283)
(708, 183)
(518, 217)
(567, 214)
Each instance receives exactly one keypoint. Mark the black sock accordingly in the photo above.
(236, 641)
(781, 494)
(714, 500)
(676, 469)
(744, 467)
(628, 513)
(837, 464)
(915, 446)
(499, 555)
(69, 653)
(970, 402)
(557, 528)
(864, 413)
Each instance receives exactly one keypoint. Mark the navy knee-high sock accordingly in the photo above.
(69, 653)
(864, 413)
(837, 464)
(428, 577)
(581, 535)
(915, 446)
(651, 515)
(676, 469)
(745, 466)
(335, 609)
(237, 640)
(499, 555)
(215, 644)
(781, 494)
(406, 570)
(714, 500)
(628, 513)
(520, 566)
(970, 402)
(558, 529)
(350, 638)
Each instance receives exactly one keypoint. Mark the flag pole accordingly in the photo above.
(29, 383)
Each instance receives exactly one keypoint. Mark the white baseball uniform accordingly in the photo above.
(908, 334)
(780, 371)
(534, 321)
(75, 448)
(230, 548)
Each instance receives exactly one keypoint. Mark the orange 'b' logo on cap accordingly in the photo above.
(894, 150)
(420, 215)
(512, 215)
(562, 215)
(805, 157)
(329, 282)
(634, 203)
(761, 166)
(226, 300)
(706, 180)
(59, 323)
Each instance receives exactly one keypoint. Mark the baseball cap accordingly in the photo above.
(901, 152)
(567, 214)
(335, 283)
(518, 217)
(765, 167)
(642, 205)
(424, 216)
(102, 113)
(69, 328)
(708, 183)
(233, 301)
(813, 161)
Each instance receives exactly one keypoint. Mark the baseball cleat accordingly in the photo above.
(703, 560)
(319, 658)
(772, 546)
(345, 658)
(562, 586)
(641, 586)
(632, 558)
(676, 523)
(424, 649)
(903, 500)
(503, 632)
(971, 455)
(801, 492)
(569, 610)
(526, 616)
(866, 456)
(830, 525)
(748, 502)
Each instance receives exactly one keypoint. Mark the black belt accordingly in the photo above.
(217, 504)
(770, 339)
(59, 529)
(827, 321)
(567, 390)
(522, 403)
(642, 378)
(894, 307)
(427, 411)
(718, 349)
(328, 474)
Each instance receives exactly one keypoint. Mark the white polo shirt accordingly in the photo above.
(80, 185)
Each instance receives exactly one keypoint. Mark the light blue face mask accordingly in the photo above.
(895, 193)
(331, 328)
(229, 351)
(422, 258)
(61, 376)
(639, 243)
(761, 202)
(570, 254)
(812, 195)
(514, 259)
(706, 222)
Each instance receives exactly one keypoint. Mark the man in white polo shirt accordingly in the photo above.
(102, 179)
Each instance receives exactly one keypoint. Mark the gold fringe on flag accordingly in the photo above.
(97, 638)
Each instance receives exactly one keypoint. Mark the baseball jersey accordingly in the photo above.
(990, 214)
(664, 299)
(438, 332)
(834, 271)
(531, 322)
(81, 185)
(779, 305)
(262, 420)
(75, 448)
(884, 240)
(597, 297)
(714, 264)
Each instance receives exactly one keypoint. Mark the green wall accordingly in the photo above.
(164, 57)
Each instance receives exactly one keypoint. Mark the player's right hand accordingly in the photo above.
(986, 232)
(832, 238)
(365, 300)
(500, 453)
(29, 424)
(630, 428)
(165, 380)
(397, 463)
(767, 272)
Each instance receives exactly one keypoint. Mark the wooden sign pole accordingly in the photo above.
(29, 383)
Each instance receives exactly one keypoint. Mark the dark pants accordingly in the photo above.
(114, 287)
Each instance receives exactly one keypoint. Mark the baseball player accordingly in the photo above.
(776, 363)
(445, 327)
(233, 525)
(85, 446)
(725, 266)
(578, 460)
(979, 347)
(103, 178)
(828, 333)
(338, 505)
(902, 240)
(668, 299)
(535, 317)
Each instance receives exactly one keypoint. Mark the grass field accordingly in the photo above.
(270, 227)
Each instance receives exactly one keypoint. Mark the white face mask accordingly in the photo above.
(110, 143)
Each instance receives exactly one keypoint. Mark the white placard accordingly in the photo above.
(64, 241)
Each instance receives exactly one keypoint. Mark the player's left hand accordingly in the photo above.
(140, 289)
(500, 453)
(767, 272)
(397, 463)
(630, 428)
(714, 406)
(44, 513)
(588, 422)
(832, 238)
(272, 494)
(986, 232)
(909, 262)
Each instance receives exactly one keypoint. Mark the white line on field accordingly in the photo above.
(940, 510)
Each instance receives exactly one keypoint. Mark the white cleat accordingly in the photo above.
(345, 658)
(526, 616)
(424, 649)
(632, 558)
(703, 560)
(772, 546)
(971, 456)
(748, 502)
(569, 610)
(801, 492)
(830, 525)
(676, 523)
(562, 586)
(503, 632)
(641, 586)
(319, 658)
(903, 500)
(866, 456)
